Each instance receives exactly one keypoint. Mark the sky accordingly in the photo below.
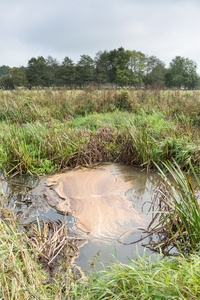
(60, 28)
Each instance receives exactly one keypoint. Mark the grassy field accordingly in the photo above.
(43, 131)
(46, 131)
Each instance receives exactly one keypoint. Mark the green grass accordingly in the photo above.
(135, 139)
(178, 211)
(158, 279)
(42, 131)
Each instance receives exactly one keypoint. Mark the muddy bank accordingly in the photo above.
(96, 198)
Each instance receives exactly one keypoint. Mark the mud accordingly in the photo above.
(96, 198)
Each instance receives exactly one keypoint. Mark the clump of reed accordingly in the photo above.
(43, 148)
(155, 139)
(175, 225)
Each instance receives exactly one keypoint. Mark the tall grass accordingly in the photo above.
(176, 222)
(41, 148)
(134, 139)
(21, 277)
(42, 131)
(26, 106)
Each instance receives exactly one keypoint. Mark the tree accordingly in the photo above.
(85, 70)
(102, 67)
(6, 82)
(52, 66)
(182, 73)
(4, 70)
(66, 72)
(37, 72)
(137, 65)
(155, 71)
(122, 61)
(18, 76)
(112, 70)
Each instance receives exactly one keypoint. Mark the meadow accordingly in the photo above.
(45, 131)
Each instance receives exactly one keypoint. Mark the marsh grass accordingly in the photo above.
(146, 278)
(43, 131)
(22, 106)
(21, 277)
(155, 139)
(175, 225)
(44, 147)
(35, 263)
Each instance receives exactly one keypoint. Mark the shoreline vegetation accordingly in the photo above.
(44, 131)
(26, 274)
(52, 130)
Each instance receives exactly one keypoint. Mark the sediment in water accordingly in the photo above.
(96, 198)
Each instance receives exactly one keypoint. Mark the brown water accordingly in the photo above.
(103, 205)
(96, 198)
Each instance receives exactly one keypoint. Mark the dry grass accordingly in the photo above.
(53, 242)
(35, 264)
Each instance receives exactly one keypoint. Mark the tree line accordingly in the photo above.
(116, 67)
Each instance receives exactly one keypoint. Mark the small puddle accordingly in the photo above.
(102, 205)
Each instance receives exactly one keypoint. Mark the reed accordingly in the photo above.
(175, 225)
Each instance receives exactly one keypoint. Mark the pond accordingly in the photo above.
(103, 205)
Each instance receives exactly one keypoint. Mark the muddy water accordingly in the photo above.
(103, 205)
(96, 198)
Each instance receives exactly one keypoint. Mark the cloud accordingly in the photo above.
(72, 28)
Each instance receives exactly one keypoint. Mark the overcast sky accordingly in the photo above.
(164, 28)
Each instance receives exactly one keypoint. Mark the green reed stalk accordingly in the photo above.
(186, 210)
